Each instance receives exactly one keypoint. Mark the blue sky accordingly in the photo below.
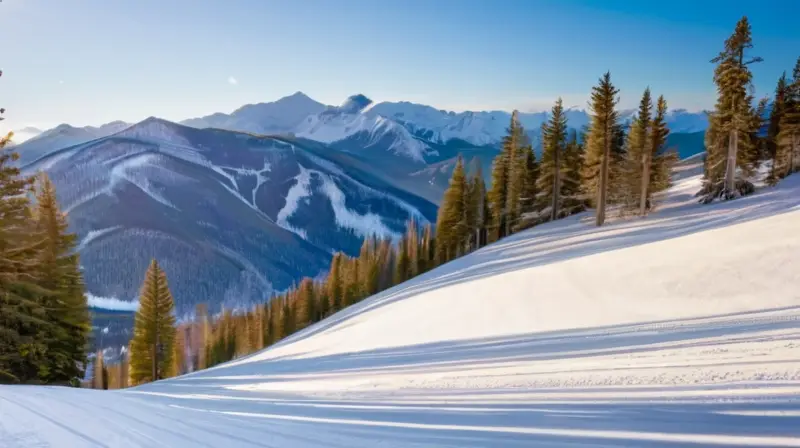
(93, 61)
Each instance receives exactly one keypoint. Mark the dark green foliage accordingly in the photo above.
(731, 146)
(662, 160)
(605, 147)
(507, 181)
(65, 302)
(43, 317)
(452, 229)
(553, 164)
(787, 139)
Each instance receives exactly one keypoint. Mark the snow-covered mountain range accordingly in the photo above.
(240, 204)
(231, 216)
(358, 113)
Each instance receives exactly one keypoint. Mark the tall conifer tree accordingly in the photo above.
(730, 146)
(154, 329)
(554, 145)
(65, 302)
(788, 138)
(451, 225)
(603, 143)
(22, 316)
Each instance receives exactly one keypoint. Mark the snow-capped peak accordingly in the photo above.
(355, 104)
(350, 120)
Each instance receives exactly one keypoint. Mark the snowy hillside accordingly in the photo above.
(232, 217)
(675, 330)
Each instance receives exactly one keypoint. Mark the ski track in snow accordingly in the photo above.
(680, 329)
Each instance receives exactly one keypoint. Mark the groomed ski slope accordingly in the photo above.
(679, 329)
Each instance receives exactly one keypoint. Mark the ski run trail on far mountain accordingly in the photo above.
(681, 329)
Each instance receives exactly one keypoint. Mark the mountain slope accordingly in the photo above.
(662, 332)
(231, 217)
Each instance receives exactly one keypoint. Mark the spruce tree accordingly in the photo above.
(661, 162)
(451, 225)
(530, 189)
(506, 181)
(603, 143)
(730, 146)
(638, 160)
(306, 309)
(788, 137)
(23, 320)
(368, 266)
(515, 144)
(773, 129)
(154, 329)
(335, 283)
(572, 199)
(65, 304)
(551, 168)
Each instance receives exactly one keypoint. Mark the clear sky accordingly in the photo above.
(94, 61)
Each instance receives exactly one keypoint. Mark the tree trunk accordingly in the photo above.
(603, 181)
(645, 182)
(730, 169)
(794, 159)
(155, 358)
(556, 188)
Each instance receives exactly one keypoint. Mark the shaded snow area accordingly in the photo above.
(681, 329)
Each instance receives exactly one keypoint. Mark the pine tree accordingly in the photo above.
(638, 161)
(730, 147)
(306, 303)
(603, 143)
(502, 178)
(788, 137)
(287, 319)
(368, 265)
(478, 216)
(451, 225)
(334, 281)
(661, 162)
(22, 316)
(386, 264)
(530, 188)
(402, 261)
(572, 199)
(66, 306)
(773, 130)
(154, 329)
(554, 146)
(515, 144)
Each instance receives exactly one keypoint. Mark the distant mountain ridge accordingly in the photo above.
(437, 125)
(237, 206)
(232, 217)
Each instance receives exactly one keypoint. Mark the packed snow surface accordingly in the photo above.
(679, 329)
